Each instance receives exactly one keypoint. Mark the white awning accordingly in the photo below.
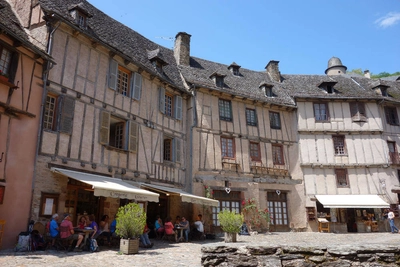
(352, 201)
(110, 187)
(186, 197)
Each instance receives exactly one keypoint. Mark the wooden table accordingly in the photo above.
(323, 225)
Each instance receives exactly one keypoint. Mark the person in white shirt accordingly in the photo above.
(198, 230)
(393, 227)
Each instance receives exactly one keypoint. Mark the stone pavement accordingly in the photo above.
(186, 254)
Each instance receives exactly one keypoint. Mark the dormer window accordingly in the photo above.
(267, 89)
(328, 87)
(157, 60)
(80, 14)
(234, 68)
(218, 79)
(384, 91)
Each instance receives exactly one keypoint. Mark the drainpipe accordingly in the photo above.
(49, 65)
(190, 171)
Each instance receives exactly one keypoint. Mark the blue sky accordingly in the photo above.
(302, 35)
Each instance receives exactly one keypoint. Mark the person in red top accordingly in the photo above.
(169, 228)
(144, 238)
(67, 232)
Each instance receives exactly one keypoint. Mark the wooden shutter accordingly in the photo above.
(178, 107)
(133, 136)
(104, 127)
(66, 114)
(162, 100)
(176, 146)
(113, 75)
(136, 86)
(13, 67)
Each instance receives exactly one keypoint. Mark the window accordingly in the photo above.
(227, 147)
(251, 118)
(391, 116)
(81, 20)
(321, 111)
(64, 107)
(49, 117)
(170, 105)
(277, 206)
(393, 155)
(227, 201)
(8, 62)
(235, 71)
(219, 81)
(172, 149)
(274, 120)
(339, 144)
(329, 89)
(255, 154)
(124, 81)
(341, 178)
(277, 155)
(118, 133)
(398, 175)
(225, 110)
(357, 111)
(268, 92)
(5, 60)
(384, 91)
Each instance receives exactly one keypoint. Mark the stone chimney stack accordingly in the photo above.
(367, 74)
(273, 70)
(182, 48)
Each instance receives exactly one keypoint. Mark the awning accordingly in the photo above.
(110, 187)
(352, 201)
(186, 197)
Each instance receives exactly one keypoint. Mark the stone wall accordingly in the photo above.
(346, 255)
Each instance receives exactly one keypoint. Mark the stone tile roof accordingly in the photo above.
(119, 37)
(11, 25)
(247, 84)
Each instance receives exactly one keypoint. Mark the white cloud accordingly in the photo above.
(389, 20)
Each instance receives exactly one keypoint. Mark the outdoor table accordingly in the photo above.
(181, 237)
(87, 232)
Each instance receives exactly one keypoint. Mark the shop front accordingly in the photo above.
(99, 195)
(352, 213)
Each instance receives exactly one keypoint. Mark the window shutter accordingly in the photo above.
(178, 107)
(162, 100)
(133, 136)
(104, 127)
(136, 86)
(355, 116)
(67, 114)
(177, 150)
(13, 67)
(112, 78)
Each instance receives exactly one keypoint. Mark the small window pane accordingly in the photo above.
(225, 110)
(251, 117)
(339, 145)
(227, 147)
(275, 120)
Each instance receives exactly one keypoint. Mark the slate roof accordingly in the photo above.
(10, 24)
(119, 37)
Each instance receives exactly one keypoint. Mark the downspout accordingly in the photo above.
(49, 65)
(194, 124)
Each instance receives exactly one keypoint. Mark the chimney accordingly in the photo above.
(367, 74)
(273, 70)
(182, 48)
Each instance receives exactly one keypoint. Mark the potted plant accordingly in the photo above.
(131, 220)
(3, 76)
(231, 222)
(255, 218)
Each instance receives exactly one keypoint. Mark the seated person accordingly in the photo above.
(104, 229)
(82, 222)
(144, 238)
(113, 227)
(67, 232)
(169, 228)
(159, 226)
(177, 221)
(198, 230)
(186, 229)
(53, 228)
(92, 224)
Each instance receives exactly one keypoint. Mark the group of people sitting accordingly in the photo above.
(65, 230)
(168, 228)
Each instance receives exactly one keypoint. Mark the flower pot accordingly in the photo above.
(230, 237)
(3, 78)
(129, 246)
